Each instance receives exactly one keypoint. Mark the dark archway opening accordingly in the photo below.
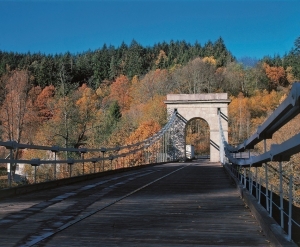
(197, 134)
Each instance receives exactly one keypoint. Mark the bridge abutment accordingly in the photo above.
(204, 106)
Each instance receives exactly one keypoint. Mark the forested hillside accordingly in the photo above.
(114, 96)
(107, 63)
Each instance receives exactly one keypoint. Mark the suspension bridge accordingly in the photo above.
(149, 194)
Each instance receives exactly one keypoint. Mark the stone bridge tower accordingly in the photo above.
(206, 107)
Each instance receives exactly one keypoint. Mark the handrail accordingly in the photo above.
(287, 110)
(113, 153)
(15, 145)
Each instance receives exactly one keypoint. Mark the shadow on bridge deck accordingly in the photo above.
(177, 204)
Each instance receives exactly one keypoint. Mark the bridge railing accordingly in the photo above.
(81, 161)
(277, 192)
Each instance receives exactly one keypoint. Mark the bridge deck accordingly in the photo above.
(190, 204)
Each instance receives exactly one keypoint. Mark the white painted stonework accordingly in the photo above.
(205, 106)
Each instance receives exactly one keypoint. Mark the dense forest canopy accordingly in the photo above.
(113, 96)
(107, 63)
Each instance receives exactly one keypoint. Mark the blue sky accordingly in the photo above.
(248, 27)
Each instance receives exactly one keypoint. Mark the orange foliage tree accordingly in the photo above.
(155, 109)
(119, 91)
(88, 113)
(246, 114)
(239, 119)
(276, 75)
(145, 130)
(198, 135)
(43, 104)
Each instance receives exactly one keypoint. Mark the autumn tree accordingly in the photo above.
(234, 79)
(239, 119)
(153, 83)
(145, 130)
(88, 114)
(15, 109)
(32, 120)
(119, 91)
(155, 109)
(60, 128)
(197, 76)
(211, 60)
(276, 74)
(247, 113)
(43, 104)
(198, 135)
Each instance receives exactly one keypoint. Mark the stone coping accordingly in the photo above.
(197, 97)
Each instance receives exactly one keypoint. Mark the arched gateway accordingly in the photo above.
(207, 107)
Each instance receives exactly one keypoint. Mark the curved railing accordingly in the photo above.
(148, 149)
(261, 186)
(287, 110)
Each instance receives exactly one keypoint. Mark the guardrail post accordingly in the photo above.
(82, 154)
(259, 191)
(35, 174)
(271, 201)
(54, 149)
(12, 146)
(82, 151)
(145, 154)
(70, 162)
(266, 176)
(256, 183)
(10, 167)
(94, 163)
(111, 159)
(245, 179)
(102, 150)
(267, 186)
(35, 163)
(123, 164)
(117, 165)
(250, 180)
(281, 195)
(167, 145)
(54, 168)
(290, 208)
(163, 147)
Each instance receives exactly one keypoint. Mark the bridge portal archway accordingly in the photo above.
(207, 107)
(197, 134)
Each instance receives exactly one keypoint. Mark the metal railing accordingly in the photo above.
(157, 148)
(262, 187)
(272, 197)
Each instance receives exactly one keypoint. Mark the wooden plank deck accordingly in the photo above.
(184, 204)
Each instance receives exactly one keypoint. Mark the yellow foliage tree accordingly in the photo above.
(211, 60)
